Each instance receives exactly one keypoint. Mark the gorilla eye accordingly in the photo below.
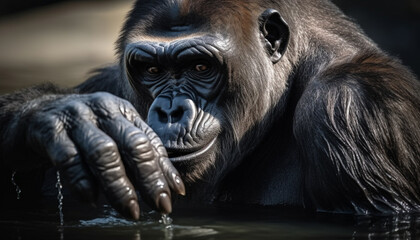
(201, 67)
(153, 70)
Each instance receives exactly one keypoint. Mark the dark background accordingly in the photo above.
(394, 25)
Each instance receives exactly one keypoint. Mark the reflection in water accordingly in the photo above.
(167, 222)
(390, 227)
(150, 225)
(107, 222)
(203, 223)
(137, 235)
(60, 198)
(61, 232)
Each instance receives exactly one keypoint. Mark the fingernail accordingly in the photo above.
(179, 184)
(134, 209)
(165, 205)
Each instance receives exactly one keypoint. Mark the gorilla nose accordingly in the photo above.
(171, 118)
(170, 115)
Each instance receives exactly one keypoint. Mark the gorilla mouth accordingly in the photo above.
(185, 155)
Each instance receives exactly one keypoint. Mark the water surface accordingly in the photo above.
(217, 222)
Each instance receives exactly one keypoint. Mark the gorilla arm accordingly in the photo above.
(357, 125)
(94, 139)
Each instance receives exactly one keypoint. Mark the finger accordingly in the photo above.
(49, 135)
(173, 177)
(143, 160)
(101, 154)
(171, 174)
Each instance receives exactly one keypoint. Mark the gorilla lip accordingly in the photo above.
(191, 155)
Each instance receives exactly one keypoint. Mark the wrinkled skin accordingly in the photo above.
(264, 102)
(99, 139)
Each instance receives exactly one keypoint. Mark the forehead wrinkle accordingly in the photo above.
(164, 39)
(178, 49)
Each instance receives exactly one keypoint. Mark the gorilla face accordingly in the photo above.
(184, 78)
(202, 78)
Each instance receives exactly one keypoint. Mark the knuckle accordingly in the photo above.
(76, 108)
(144, 127)
(101, 95)
(66, 159)
(43, 127)
(150, 133)
(109, 145)
(148, 171)
(138, 139)
(128, 110)
(141, 148)
(102, 147)
(127, 104)
(103, 99)
(151, 176)
(104, 104)
(144, 149)
(47, 121)
(113, 175)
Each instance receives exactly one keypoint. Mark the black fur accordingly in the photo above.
(333, 126)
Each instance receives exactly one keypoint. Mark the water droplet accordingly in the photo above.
(18, 191)
(166, 220)
(60, 198)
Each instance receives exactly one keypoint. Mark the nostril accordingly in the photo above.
(171, 117)
(177, 115)
(163, 117)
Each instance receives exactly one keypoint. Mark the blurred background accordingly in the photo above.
(62, 41)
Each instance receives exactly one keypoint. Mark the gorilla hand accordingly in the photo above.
(99, 139)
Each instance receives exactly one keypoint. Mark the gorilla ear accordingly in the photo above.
(275, 32)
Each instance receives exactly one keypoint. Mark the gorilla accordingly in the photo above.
(268, 102)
